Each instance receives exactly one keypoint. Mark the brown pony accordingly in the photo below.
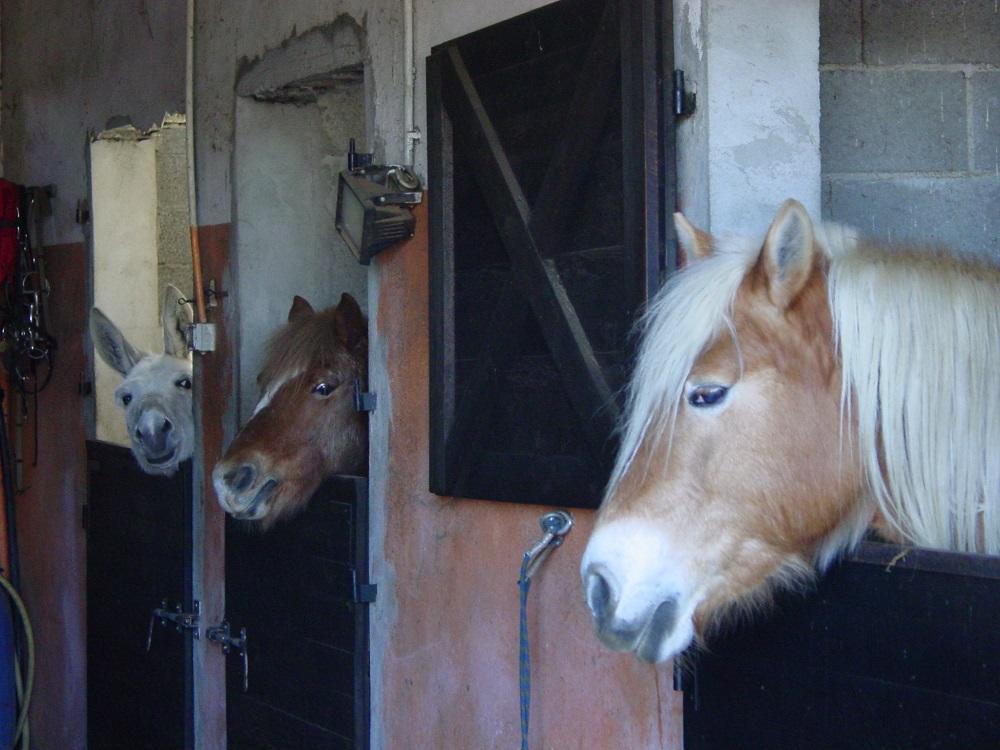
(787, 397)
(305, 426)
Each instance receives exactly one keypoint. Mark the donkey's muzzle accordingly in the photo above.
(643, 634)
(154, 435)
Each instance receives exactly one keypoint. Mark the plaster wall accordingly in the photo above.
(753, 140)
(68, 69)
(286, 161)
(123, 184)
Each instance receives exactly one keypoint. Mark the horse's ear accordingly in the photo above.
(300, 309)
(788, 254)
(350, 321)
(111, 344)
(692, 243)
(176, 316)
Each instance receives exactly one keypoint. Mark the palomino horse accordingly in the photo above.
(156, 391)
(305, 426)
(786, 398)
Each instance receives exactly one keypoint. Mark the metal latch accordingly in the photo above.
(201, 337)
(364, 593)
(174, 616)
(221, 634)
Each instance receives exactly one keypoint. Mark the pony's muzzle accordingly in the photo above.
(238, 480)
(643, 635)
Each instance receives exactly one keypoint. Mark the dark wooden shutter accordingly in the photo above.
(547, 136)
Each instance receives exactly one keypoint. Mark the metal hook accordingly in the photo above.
(555, 526)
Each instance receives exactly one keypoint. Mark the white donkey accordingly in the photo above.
(156, 391)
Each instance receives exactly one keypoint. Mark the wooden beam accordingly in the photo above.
(581, 373)
(584, 124)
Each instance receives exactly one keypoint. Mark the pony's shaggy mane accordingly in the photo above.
(308, 341)
(918, 334)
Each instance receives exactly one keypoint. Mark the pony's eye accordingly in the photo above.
(707, 395)
(126, 399)
(324, 389)
(184, 383)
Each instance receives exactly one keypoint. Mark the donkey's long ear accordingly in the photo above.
(111, 345)
(692, 243)
(300, 309)
(350, 321)
(789, 253)
(176, 315)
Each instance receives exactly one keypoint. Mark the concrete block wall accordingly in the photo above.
(910, 120)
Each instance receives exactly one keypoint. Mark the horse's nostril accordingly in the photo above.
(167, 426)
(239, 479)
(599, 597)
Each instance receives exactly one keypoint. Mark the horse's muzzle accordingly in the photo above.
(642, 635)
(240, 491)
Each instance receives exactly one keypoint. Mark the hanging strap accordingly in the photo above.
(555, 526)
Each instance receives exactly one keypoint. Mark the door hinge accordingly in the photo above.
(363, 401)
(364, 593)
(684, 101)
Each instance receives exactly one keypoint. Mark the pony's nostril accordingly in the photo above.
(167, 426)
(599, 597)
(240, 479)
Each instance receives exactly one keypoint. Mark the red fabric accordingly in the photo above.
(9, 199)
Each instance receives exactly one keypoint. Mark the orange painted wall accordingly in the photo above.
(51, 540)
(444, 629)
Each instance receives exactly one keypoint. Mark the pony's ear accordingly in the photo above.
(692, 243)
(299, 309)
(350, 321)
(788, 254)
(111, 345)
(176, 316)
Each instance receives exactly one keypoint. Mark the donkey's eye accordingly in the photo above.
(324, 389)
(707, 395)
(184, 383)
(126, 399)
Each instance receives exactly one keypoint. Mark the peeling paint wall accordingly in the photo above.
(754, 138)
(123, 183)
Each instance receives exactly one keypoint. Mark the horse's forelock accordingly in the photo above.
(304, 343)
(680, 323)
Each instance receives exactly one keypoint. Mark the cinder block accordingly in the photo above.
(892, 121)
(931, 31)
(985, 92)
(840, 31)
(954, 212)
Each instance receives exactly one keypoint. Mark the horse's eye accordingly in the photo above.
(324, 389)
(126, 399)
(707, 395)
(184, 383)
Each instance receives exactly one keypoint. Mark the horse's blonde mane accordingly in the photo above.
(919, 339)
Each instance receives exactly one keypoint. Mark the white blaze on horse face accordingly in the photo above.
(268, 395)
